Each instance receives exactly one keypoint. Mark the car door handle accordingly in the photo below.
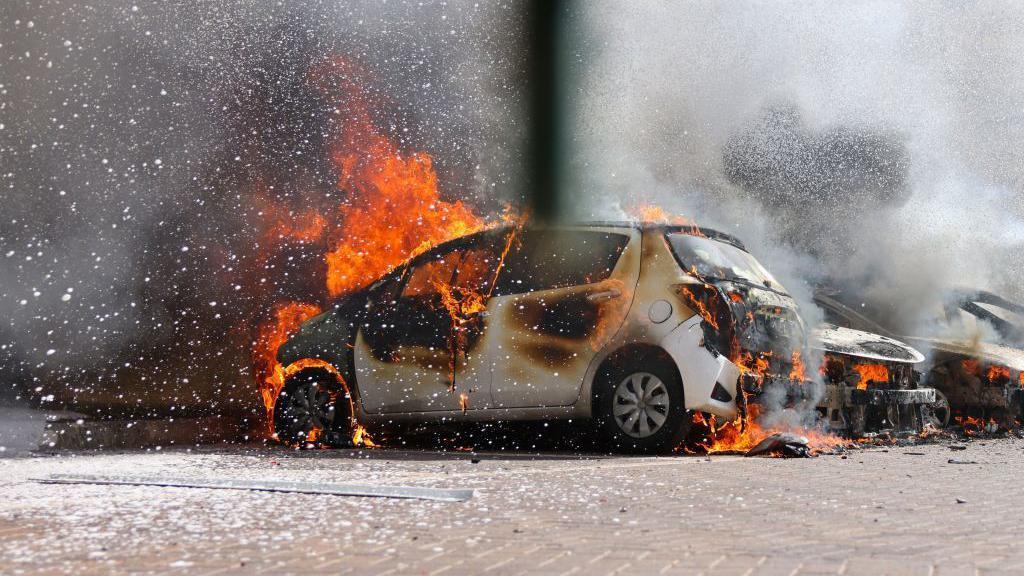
(604, 295)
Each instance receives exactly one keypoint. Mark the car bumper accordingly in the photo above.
(885, 397)
(702, 371)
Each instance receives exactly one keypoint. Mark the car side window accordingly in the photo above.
(428, 274)
(549, 259)
(475, 269)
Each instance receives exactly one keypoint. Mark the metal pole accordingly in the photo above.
(546, 119)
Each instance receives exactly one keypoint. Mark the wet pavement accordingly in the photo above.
(878, 511)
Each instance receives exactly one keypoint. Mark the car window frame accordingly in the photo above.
(626, 239)
(407, 268)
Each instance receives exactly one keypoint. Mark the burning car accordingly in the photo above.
(870, 382)
(978, 383)
(634, 326)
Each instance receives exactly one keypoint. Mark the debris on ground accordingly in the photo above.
(954, 461)
(783, 444)
(366, 490)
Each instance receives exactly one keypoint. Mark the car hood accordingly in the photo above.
(986, 351)
(321, 335)
(829, 338)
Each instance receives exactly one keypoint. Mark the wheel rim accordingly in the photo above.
(640, 404)
(308, 407)
(937, 413)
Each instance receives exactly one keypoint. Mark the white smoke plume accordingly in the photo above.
(875, 145)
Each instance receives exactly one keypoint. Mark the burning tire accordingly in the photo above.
(641, 410)
(312, 410)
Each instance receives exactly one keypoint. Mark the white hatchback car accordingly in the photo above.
(630, 325)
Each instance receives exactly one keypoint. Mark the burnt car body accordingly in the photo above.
(870, 382)
(632, 325)
(975, 380)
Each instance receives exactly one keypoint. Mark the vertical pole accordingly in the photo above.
(546, 121)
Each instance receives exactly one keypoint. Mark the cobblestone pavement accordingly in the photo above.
(877, 511)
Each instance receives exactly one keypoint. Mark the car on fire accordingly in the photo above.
(976, 353)
(634, 326)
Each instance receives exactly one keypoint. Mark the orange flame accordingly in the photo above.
(390, 210)
(270, 375)
(695, 303)
(972, 425)
(798, 370)
(757, 364)
(462, 305)
(871, 373)
(998, 374)
(281, 223)
(394, 209)
(736, 438)
(970, 365)
(610, 313)
(658, 215)
(361, 438)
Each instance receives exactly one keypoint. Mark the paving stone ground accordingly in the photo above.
(878, 511)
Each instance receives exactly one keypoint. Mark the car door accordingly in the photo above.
(560, 296)
(469, 301)
(402, 358)
(420, 350)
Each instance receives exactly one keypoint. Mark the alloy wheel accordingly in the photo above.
(640, 404)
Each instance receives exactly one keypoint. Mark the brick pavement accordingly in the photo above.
(875, 512)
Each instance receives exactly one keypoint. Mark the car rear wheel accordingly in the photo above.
(641, 410)
(311, 409)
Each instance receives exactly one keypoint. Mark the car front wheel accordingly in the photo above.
(937, 413)
(311, 409)
(641, 410)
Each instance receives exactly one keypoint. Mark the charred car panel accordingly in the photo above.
(976, 381)
(870, 382)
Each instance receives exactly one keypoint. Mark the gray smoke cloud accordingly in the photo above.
(875, 145)
(131, 135)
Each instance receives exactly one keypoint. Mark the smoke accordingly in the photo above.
(143, 142)
(874, 146)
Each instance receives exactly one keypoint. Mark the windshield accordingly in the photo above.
(718, 260)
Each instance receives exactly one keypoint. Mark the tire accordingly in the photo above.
(633, 427)
(312, 400)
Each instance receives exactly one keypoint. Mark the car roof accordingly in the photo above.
(693, 230)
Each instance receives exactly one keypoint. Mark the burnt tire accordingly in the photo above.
(640, 409)
(312, 409)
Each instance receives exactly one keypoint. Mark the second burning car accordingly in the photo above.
(976, 360)
(634, 326)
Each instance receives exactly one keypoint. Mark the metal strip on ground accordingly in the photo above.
(365, 490)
